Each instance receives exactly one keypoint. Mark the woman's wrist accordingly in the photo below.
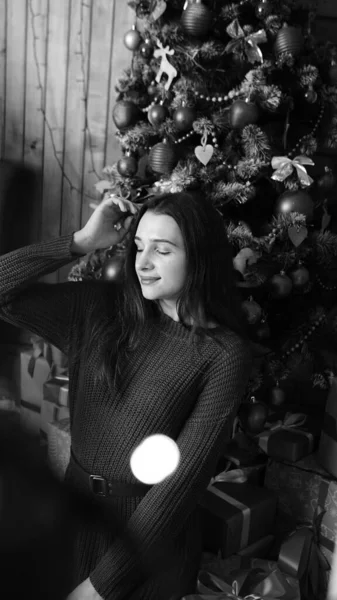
(80, 244)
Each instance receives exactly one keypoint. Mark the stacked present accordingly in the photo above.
(43, 385)
(272, 498)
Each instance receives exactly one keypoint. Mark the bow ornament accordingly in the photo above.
(285, 166)
(248, 42)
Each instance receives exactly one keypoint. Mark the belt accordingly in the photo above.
(101, 486)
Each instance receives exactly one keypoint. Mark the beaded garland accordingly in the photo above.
(304, 337)
(328, 288)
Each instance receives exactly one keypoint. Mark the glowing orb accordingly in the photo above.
(154, 459)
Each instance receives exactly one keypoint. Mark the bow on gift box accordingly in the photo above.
(227, 592)
(257, 583)
(249, 42)
(291, 422)
(285, 166)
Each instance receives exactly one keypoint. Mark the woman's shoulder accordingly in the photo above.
(232, 345)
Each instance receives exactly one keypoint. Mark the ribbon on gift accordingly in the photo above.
(245, 510)
(258, 584)
(40, 348)
(301, 557)
(248, 42)
(330, 426)
(233, 476)
(291, 422)
(211, 584)
(285, 166)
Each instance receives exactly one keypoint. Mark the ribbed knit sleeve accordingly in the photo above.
(161, 514)
(49, 310)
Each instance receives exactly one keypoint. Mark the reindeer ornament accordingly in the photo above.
(165, 65)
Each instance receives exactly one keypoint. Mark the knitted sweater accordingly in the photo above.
(168, 388)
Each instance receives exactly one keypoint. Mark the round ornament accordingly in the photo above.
(157, 114)
(327, 181)
(277, 395)
(183, 118)
(162, 157)
(252, 310)
(333, 73)
(243, 113)
(127, 166)
(146, 49)
(280, 285)
(289, 39)
(132, 39)
(263, 9)
(152, 89)
(300, 277)
(196, 19)
(253, 416)
(263, 331)
(295, 201)
(112, 269)
(125, 114)
(311, 96)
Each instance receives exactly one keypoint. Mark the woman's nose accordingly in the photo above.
(144, 260)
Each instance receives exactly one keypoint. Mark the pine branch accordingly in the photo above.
(138, 136)
(324, 247)
(223, 193)
(256, 144)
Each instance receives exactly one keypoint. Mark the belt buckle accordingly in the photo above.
(98, 485)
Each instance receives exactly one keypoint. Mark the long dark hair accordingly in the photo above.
(209, 280)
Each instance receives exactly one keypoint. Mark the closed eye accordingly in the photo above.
(159, 252)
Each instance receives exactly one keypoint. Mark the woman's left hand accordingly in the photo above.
(84, 591)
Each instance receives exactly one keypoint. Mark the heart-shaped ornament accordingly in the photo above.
(297, 235)
(159, 10)
(204, 153)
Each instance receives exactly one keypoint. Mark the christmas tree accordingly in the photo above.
(234, 99)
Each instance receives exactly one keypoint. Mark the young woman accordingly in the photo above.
(163, 352)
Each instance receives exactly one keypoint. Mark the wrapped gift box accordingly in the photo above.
(241, 577)
(302, 489)
(50, 413)
(56, 390)
(59, 443)
(235, 515)
(55, 402)
(34, 372)
(289, 439)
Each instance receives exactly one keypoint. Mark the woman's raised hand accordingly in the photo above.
(107, 226)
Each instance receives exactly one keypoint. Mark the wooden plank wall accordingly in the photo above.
(59, 61)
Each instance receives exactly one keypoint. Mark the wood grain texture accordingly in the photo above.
(3, 52)
(34, 126)
(98, 87)
(55, 97)
(75, 118)
(16, 11)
